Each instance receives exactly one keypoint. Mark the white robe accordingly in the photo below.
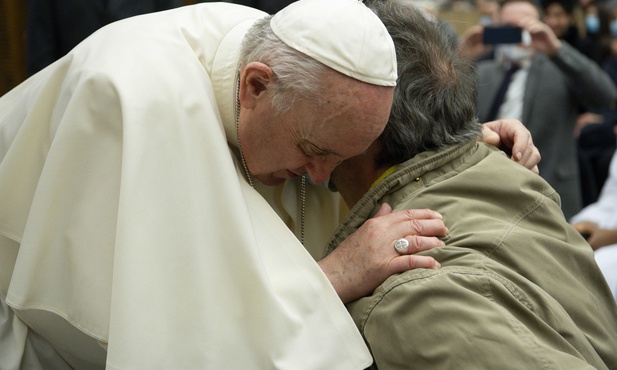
(324, 211)
(125, 221)
(604, 213)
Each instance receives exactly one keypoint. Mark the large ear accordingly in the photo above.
(255, 80)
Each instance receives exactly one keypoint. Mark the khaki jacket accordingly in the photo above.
(518, 287)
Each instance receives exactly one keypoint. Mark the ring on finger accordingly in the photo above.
(401, 245)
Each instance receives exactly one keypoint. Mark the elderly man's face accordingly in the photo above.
(314, 137)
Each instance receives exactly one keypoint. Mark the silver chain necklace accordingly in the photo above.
(246, 169)
(302, 207)
(248, 174)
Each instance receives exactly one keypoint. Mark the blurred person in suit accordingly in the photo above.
(542, 82)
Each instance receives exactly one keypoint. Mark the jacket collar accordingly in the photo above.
(413, 174)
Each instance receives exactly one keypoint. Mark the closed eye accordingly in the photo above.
(311, 150)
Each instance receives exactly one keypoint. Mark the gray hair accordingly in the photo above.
(435, 98)
(298, 76)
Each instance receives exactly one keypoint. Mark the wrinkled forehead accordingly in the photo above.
(348, 122)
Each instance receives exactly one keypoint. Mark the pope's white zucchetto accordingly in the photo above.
(345, 35)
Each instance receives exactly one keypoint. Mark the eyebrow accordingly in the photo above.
(305, 144)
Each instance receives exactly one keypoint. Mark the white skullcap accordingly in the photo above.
(345, 35)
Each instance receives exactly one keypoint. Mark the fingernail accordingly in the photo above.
(437, 265)
(438, 215)
(519, 155)
(447, 231)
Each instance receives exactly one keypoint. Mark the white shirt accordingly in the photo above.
(512, 106)
(604, 213)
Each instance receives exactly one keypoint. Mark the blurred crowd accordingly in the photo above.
(590, 27)
(559, 79)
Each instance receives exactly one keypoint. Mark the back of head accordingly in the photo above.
(435, 97)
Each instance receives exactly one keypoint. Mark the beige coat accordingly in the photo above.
(518, 287)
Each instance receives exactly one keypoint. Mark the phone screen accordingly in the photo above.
(502, 35)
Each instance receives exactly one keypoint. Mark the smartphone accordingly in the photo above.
(502, 35)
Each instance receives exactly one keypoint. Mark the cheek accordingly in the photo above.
(282, 158)
(297, 162)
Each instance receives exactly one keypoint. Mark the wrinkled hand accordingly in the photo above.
(512, 136)
(598, 237)
(367, 257)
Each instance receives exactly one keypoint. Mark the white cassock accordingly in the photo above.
(129, 238)
(323, 211)
(604, 213)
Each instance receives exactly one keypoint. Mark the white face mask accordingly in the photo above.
(513, 53)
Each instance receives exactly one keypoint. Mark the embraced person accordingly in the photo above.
(518, 286)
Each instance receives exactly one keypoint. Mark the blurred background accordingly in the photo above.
(13, 15)
(14, 30)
